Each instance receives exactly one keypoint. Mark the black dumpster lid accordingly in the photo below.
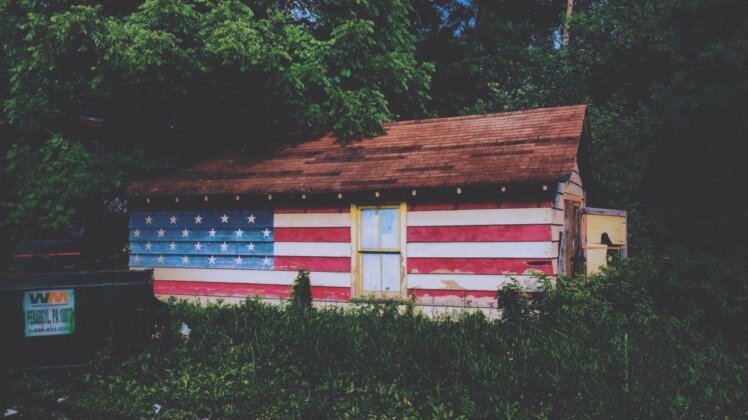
(76, 279)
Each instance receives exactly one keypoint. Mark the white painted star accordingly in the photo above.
(266, 233)
(148, 220)
(161, 233)
(136, 233)
(224, 219)
(137, 258)
(224, 247)
(212, 260)
(198, 246)
(172, 246)
(266, 261)
(173, 220)
(239, 233)
(160, 259)
(185, 259)
(148, 245)
(198, 219)
(251, 218)
(250, 247)
(185, 233)
(212, 232)
(238, 260)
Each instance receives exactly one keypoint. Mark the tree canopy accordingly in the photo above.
(170, 80)
(174, 80)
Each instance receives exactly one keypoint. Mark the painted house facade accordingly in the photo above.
(443, 210)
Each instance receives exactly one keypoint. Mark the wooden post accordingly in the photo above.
(565, 37)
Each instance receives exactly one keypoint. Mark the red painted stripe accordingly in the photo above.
(56, 254)
(312, 234)
(467, 294)
(421, 293)
(271, 291)
(330, 264)
(478, 265)
(488, 233)
(474, 206)
(312, 210)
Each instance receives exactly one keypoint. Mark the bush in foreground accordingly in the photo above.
(592, 347)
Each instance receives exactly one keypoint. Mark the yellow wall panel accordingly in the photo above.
(599, 221)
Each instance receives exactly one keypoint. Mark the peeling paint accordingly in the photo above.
(452, 285)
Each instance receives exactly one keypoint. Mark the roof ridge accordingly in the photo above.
(479, 116)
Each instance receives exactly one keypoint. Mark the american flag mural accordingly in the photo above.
(243, 252)
(453, 253)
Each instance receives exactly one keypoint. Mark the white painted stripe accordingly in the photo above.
(482, 249)
(556, 232)
(558, 217)
(318, 278)
(529, 216)
(312, 249)
(312, 220)
(468, 281)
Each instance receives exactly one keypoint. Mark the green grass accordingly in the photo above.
(594, 347)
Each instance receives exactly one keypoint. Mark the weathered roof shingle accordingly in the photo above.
(534, 146)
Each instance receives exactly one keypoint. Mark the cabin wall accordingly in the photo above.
(460, 254)
(454, 254)
(568, 225)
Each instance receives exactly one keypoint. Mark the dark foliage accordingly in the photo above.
(602, 346)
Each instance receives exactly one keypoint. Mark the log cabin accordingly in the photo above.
(444, 211)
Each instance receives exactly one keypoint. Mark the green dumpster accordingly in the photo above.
(52, 320)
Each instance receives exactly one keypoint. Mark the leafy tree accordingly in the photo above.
(168, 79)
(666, 86)
(666, 81)
(486, 52)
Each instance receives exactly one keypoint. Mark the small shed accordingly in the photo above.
(442, 210)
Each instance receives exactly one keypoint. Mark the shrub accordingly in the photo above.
(513, 302)
(301, 291)
(595, 346)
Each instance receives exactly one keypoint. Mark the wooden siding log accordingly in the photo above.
(487, 233)
(332, 264)
(313, 249)
(469, 281)
(249, 276)
(243, 290)
(527, 216)
(482, 249)
(313, 234)
(312, 219)
(478, 265)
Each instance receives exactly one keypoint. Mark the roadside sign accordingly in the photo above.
(49, 312)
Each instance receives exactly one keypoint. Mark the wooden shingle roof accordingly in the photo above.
(524, 147)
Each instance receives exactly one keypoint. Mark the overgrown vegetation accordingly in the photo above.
(604, 346)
